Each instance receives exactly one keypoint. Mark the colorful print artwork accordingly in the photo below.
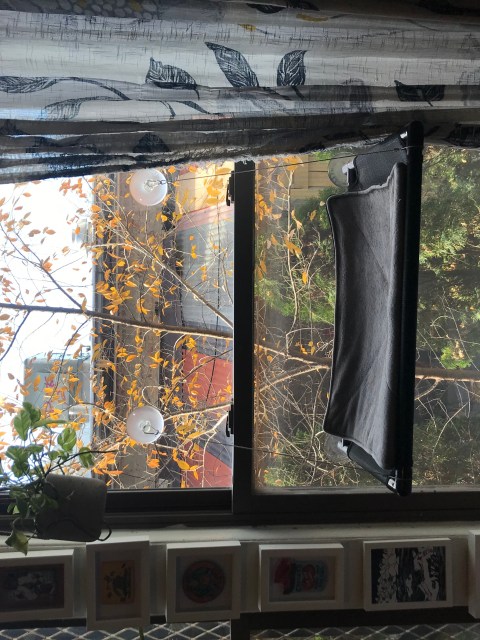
(298, 576)
(33, 587)
(406, 575)
(203, 581)
(117, 582)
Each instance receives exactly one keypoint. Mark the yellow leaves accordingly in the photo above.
(248, 27)
(304, 277)
(292, 247)
(36, 382)
(157, 359)
(193, 252)
(312, 215)
(46, 265)
(153, 463)
(184, 466)
(141, 307)
(171, 169)
(292, 162)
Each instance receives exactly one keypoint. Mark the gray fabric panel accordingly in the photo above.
(368, 233)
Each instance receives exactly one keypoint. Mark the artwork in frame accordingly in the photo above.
(407, 574)
(203, 581)
(301, 577)
(474, 573)
(36, 587)
(118, 584)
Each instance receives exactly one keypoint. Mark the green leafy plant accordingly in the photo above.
(26, 468)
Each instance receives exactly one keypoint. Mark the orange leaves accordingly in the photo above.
(140, 306)
(292, 162)
(292, 247)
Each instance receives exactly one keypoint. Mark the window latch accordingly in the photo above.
(230, 197)
(229, 423)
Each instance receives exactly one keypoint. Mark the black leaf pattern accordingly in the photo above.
(446, 8)
(68, 109)
(264, 8)
(291, 70)
(40, 142)
(166, 76)
(420, 92)
(467, 136)
(192, 105)
(17, 84)
(64, 110)
(8, 128)
(312, 146)
(302, 4)
(359, 96)
(234, 66)
(150, 143)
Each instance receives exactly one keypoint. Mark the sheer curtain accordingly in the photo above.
(89, 86)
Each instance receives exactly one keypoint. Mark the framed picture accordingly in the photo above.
(203, 581)
(118, 584)
(36, 587)
(300, 577)
(474, 573)
(407, 574)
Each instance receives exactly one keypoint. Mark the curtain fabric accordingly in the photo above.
(89, 86)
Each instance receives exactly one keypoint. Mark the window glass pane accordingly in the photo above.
(118, 305)
(294, 323)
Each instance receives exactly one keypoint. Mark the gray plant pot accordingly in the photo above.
(80, 513)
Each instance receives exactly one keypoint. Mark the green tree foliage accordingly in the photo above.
(449, 305)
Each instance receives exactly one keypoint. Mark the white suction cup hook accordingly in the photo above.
(148, 187)
(145, 424)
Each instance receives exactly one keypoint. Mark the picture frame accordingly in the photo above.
(407, 574)
(203, 581)
(36, 587)
(300, 577)
(118, 583)
(474, 573)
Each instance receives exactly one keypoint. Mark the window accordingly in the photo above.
(177, 265)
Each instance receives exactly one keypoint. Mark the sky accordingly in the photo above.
(41, 333)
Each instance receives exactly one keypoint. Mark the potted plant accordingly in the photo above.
(47, 499)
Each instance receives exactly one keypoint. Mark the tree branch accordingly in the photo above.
(98, 315)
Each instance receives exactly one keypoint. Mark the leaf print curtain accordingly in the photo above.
(91, 86)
